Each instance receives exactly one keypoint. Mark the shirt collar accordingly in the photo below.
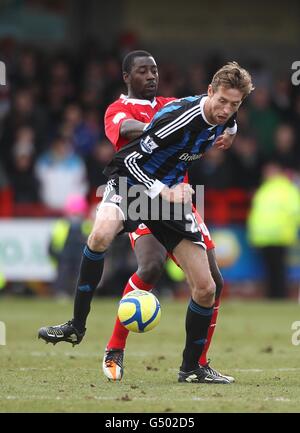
(202, 102)
(138, 101)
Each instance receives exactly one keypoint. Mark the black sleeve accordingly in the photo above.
(231, 122)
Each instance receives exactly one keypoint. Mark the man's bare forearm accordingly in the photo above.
(132, 129)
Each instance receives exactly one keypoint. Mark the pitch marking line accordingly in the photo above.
(90, 397)
(252, 370)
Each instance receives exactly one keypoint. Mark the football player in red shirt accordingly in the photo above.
(125, 120)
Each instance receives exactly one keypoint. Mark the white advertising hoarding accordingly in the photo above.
(24, 249)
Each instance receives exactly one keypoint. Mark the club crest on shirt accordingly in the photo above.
(147, 144)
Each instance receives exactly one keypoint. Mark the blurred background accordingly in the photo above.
(63, 67)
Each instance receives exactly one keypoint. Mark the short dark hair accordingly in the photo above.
(130, 57)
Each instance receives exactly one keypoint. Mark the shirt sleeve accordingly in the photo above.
(150, 143)
(134, 161)
(113, 119)
(231, 125)
(233, 129)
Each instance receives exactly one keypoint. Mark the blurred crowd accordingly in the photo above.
(52, 141)
(53, 146)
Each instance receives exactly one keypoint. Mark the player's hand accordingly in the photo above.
(181, 193)
(224, 141)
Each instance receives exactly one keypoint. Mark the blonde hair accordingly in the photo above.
(233, 76)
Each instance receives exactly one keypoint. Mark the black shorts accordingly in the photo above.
(170, 223)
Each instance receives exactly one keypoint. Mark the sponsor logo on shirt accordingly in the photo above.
(187, 157)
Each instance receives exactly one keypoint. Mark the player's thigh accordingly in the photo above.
(148, 249)
(108, 223)
(193, 260)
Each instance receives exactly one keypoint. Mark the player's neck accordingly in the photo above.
(131, 95)
(207, 112)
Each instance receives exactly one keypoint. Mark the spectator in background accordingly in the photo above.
(23, 136)
(89, 100)
(281, 96)
(273, 225)
(61, 77)
(94, 78)
(83, 133)
(27, 73)
(285, 147)
(170, 80)
(97, 161)
(196, 81)
(247, 162)
(214, 171)
(55, 102)
(61, 173)
(3, 177)
(22, 177)
(5, 100)
(243, 119)
(295, 117)
(5, 194)
(113, 79)
(59, 89)
(24, 112)
(68, 238)
(263, 119)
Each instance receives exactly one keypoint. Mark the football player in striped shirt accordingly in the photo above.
(158, 160)
(125, 119)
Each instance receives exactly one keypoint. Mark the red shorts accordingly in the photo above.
(143, 230)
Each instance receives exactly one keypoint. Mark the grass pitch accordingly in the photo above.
(253, 343)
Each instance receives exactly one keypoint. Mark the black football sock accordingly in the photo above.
(196, 325)
(90, 274)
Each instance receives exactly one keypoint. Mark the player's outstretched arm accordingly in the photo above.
(132, 129)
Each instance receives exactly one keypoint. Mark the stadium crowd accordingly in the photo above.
(52, 140)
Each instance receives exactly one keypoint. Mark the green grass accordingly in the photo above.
(252, 343)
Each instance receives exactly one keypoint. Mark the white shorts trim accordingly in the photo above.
(112, 205)
(201, 243)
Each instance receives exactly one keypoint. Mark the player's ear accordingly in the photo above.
(126, 78)
(210, 91)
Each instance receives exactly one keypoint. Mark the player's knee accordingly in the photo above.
(151, 271)
(204, 292)
(99, 241)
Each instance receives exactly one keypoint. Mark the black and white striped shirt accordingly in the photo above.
(178, 135)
